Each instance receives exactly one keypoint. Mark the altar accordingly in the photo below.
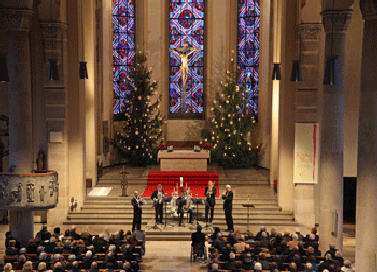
(183, 160)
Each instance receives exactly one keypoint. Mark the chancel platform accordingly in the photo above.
(183, 160)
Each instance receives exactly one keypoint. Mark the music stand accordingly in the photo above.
(248, 207)
(197, 201)
(166, 200)
(155, 224)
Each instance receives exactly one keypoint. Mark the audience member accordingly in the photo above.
(265, 242)
(258, 237)
(214, 235)
(273, 266)
(238, 267)
(312, 260)
(32, 247)
(247, 262)
(198, 238)
(287, 237)
(293, 267)
(230, 264)
(42, 267)
(326, 263)
(106, 234)
(28, 267)
(232, 239)
(93, 267)
(264, 260)
(331, 250)
(257, 267)
(8, 267)
(215, 267)
(99, 244)
(294, 242)
(347, 267)
(240, 246)
(338, 259)
(313, 231)
(50, 245)
(299, 235)
(43, 234)
(86, 237)
(11, 250)
(308, 267)
(74, 234)
(215, 257)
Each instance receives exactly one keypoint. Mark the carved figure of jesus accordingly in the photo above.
(184, 60)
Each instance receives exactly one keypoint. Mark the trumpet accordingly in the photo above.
(139, 199)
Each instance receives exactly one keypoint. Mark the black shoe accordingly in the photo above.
(179, 224)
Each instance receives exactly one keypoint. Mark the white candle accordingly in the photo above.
(181, 180)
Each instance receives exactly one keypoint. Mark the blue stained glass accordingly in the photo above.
(123, 51)
(187, 25)
(248, 52)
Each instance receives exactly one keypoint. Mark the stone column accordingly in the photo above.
(17, 22)
(19, 88)
(332, 127)
(366, 202)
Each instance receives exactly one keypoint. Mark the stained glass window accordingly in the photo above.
(123, 50)
(187, 26)
(248, 52)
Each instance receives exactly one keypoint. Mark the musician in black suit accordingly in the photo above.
(210, 200)
(181, 203)
(228, 205)
(137, 203)
(159, 204)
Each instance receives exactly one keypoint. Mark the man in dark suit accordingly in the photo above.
(137, 203)
(159, 204)
(198, 238)
(210, 201)
(228, 205)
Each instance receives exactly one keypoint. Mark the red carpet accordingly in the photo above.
(197, 181)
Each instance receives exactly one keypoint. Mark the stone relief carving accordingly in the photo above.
(30, 192)
(369, 9)
(310, 31)
(16, 20)
(42, 194)
(336, 21)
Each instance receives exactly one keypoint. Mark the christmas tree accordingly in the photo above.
(230, 127)
(142, 131)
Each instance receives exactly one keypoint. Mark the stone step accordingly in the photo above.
(152, 216)
(95, 209)
(101, 201)
(220, 223)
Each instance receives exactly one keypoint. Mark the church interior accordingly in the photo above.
(268, 105)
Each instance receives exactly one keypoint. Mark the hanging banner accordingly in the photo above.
(306, 155)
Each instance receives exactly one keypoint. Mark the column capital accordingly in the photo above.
(16, 19)
(368, 9)
(310, 31)
(54, 30)
(336, 21)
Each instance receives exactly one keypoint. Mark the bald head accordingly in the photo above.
(136, 194)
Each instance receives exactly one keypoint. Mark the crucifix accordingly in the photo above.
(184, 52)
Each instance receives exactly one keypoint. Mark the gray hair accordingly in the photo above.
(264, 234)
(41, 266)
(8, 267)
(126, 265)
(258, 266)
(293, 266)
(42, 256)
(52, 239)
(71, 258)
(89, 254)
(23, 251)
(94, 265)
(294, 237)
(347, 264)
(28, 266)
(308, 267)
(328, 257)
(215, 267)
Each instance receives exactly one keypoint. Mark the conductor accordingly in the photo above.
(228, 205)
(210, 193)
(157, 197)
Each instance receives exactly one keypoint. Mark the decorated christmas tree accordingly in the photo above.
(141, 131)
(230, 127)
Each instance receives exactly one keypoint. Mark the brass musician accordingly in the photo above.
(210, 193)
(157, 197)
(137, 203)
(182, 203)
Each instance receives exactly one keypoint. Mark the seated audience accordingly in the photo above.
(214, 257)
(232, 239)
(106, 234)
(308, 267)
(326, 263)
(240, 246)
(312, 260)
(28, 267)
(214, 234)
(287, 237)
(292, 267)
(314, 232)
(257, 267)
(257, 248)
(32, 247)
(8, 267)
(265, 241)
(99, 244)
(75, 235)
(273, 266)
(198, 238)
(93, 267)
(247, 262)
(238, 267)
(225, 253)
(338, 259)
(42, 267)
(67, 247)
(50, 245)
(299, 235)
(86, 237)
(43, 234)
(273, 234)
(258, 237)
(347, 267)
(222, 241)
(215, 267)
(264, 260)
(75, 267)
(294, 242)
(331, 250)
(58, 267)
(21, 261)
(11, 250)
(317, 252)
(230, 264)
(42, 259)
(297, 260)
